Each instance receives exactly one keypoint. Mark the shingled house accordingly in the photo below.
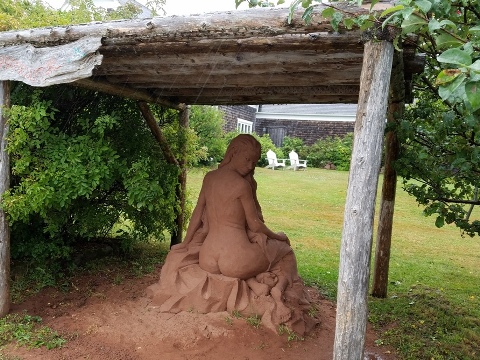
(308, 122)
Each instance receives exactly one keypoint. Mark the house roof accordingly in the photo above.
(308, 109)
(225, 58)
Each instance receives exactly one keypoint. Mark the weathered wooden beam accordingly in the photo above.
(248, 24)
(322, 94)
(357, 232)
(264, 99)
(123, 91)
(304, 57)
(50, 66)
(320, 90)
(4, 186)
(309, 41)
(207, 80)
(239, 69)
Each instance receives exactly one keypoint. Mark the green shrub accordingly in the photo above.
(82, 162)
(292, 143)
(335, 149)
(207, 123)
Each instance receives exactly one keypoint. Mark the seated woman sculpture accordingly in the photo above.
(227, 239)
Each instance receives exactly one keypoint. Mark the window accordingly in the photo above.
(244, 126)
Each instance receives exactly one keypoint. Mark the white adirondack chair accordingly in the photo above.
(295, 162)
(273, 162)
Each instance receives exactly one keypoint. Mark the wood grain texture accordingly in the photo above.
(360, 203)
(214, 59)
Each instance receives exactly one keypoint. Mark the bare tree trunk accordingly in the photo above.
(184, 113)
(357, 233)
(157, 133)
(177, 235)
(385, 224)
(4, 185)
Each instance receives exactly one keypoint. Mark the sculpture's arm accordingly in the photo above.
(253, 183)
(254, 223)
(196, 219)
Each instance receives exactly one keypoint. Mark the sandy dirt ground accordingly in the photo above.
(106, 321)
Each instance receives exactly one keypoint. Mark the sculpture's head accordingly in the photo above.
(244, 150)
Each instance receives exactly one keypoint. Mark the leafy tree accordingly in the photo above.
(207, 122)
(84, 164)
(439, 133)
(84, 167)
(25, 14)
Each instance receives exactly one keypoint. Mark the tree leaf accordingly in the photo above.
(336, 19)
(433, 25)
(455, 56)
(349, 22)
(472, 89)
(445, 41)
(474, 29)
(446, 91)
(448, 23)
(475, 66)
(423, 5)
(391, 10)
(306, 3)
(374, 2)
(440, 221)
(413, 23)
(447, 75)
(307, 15)
(328, 12)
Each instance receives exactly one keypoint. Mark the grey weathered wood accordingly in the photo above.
(396, 105)
(253, 50)
(248, 24)
(221, 68)
(360, 203)
(4, 185)
(50, 66)
(134, 94)
(207, 80)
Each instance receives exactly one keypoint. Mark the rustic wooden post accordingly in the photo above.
(183, 124)
(357, 233)
(396, 105)
(4, 185)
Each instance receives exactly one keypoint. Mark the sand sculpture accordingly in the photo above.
(230, 260)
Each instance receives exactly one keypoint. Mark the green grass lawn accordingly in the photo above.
(433, 306)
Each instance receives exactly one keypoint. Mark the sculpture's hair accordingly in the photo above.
(240, 141)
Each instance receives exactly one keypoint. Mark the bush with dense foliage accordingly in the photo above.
(334, 149)
(296, 144)
(207, 123)
(83, 163)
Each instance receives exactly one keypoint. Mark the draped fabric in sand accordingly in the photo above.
(184, 286)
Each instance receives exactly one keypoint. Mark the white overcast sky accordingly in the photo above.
(176, 7)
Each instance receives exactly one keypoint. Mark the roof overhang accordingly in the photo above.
(238, 57)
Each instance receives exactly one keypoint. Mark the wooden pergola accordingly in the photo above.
(243, 57)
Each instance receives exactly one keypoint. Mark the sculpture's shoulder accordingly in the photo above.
(227, 180)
